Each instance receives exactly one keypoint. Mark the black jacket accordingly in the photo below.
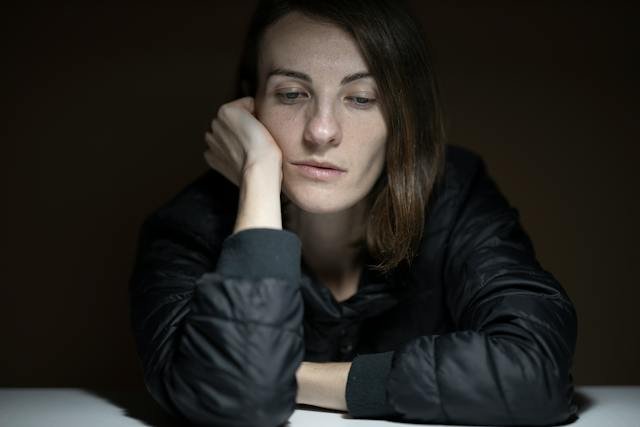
(475, 332)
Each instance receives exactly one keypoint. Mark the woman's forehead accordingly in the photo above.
(298, 42)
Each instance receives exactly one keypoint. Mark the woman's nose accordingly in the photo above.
(322, 127)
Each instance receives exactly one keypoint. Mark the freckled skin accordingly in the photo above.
(325, 121)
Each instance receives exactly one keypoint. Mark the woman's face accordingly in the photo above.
(319, 113)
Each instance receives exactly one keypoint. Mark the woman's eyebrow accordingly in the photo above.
(305, 77)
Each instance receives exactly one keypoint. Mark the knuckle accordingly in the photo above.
(223, 111)
(216, 126)
(220, 113)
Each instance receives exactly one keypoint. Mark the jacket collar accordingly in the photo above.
(376, 293)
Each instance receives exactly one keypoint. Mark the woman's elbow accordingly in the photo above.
(213, 400)
(550, 403)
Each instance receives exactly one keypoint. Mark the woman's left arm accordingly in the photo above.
(323, 384)
(509, 360)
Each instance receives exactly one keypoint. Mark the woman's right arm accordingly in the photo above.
(220, 344)
(220, 340)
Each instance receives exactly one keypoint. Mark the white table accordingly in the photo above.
(72, 407)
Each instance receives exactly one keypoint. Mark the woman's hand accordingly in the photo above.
(238, 140)
(243, 150)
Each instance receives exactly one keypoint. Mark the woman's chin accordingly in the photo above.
(311, 202)
(315, 207)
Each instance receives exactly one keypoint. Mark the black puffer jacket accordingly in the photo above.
(475, 332)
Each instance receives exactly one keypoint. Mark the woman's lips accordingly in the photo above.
(324, 174)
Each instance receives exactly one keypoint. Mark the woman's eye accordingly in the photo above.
(361, 101)
(287, 97)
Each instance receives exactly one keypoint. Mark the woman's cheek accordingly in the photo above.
(273, 125)
(264, 116)
(282, 127)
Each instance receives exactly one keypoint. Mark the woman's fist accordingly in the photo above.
(237, 140)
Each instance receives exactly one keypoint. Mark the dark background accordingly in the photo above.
(105, 111)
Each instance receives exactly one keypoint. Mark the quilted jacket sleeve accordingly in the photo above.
(509, 360)
(219, 339)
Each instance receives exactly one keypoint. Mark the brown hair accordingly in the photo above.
(395, 50)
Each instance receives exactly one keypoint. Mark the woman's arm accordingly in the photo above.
(259, 199)
(219, 341)
(509, 361)
(323, 384)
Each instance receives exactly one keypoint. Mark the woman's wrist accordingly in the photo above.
(259, 198)
(323, 384)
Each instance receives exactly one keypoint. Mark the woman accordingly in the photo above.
(339, 254)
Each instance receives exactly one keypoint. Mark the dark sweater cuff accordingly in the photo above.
(261, 252)
(366, 393)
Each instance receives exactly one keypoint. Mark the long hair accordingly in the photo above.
(395, 49)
